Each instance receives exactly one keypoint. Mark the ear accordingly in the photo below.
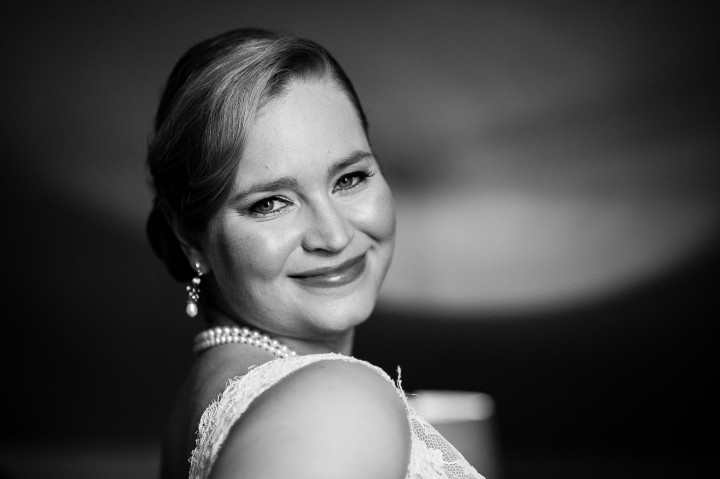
(190, 246)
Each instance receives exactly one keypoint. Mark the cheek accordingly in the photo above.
(376, 216)
(259, 255)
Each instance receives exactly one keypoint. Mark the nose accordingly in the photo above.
(328, 229)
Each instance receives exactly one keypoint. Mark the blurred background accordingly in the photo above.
(555, 166)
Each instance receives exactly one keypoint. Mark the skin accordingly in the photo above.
(328, 420)
(308, 195)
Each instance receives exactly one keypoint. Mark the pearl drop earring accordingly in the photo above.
(193, 290)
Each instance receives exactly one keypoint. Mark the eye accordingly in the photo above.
(268, 206)
(351, 180)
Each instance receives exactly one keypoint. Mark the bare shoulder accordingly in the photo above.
(329, 419)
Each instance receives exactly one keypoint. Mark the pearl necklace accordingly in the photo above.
(226, 335)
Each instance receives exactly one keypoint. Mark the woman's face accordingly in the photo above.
(302, 245)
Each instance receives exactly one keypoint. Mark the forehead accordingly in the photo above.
(311, 123)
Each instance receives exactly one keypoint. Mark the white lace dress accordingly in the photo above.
(431, 456)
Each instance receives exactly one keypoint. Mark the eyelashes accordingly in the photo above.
(268, 206)
(353, 180)
(274, 205)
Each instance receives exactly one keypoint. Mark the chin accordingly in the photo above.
(337, 310)
(339, 316)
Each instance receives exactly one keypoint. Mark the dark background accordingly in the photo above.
(588, 319)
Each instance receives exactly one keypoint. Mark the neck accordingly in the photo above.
(341, 342)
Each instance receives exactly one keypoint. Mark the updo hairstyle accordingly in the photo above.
(206, 110)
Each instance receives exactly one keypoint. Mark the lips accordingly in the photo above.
(333, 276)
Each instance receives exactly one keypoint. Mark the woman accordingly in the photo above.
(269, 197)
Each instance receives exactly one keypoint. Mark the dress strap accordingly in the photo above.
(431, 455)
(218, 419)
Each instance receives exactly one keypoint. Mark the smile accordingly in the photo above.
(333, 276)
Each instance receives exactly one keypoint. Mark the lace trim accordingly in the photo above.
(431, 456)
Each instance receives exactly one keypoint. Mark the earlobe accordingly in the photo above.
(197, 259)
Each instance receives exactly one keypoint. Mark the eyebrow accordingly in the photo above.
(290, 183)
(354, 157)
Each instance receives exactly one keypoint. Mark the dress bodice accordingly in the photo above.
(431, 455)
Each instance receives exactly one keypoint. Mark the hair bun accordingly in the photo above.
(166, 246)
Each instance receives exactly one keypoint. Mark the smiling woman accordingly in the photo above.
(311, 224)
(269, 195)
